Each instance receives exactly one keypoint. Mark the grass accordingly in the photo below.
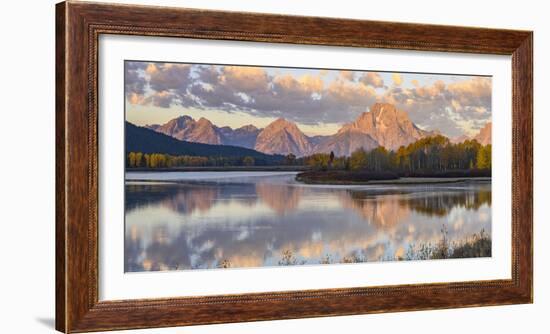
(224, 264)
(477, 245)
(289, 259)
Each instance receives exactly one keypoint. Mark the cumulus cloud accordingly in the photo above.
(134, 84)
(461, 107)
(476, 91)
(347, 75)
(169, 77)
(455, 107)
(372, 79)
(397, 79)
(244, 79)
(305, 98)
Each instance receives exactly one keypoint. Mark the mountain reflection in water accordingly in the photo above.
(248, 219)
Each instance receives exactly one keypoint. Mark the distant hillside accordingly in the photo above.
(139, 139)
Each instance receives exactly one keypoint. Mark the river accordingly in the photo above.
(203, 220)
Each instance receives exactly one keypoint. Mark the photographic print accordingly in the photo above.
(234, 166)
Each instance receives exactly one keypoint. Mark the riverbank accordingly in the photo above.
(363, 178)
(222, 169)
(431, 180)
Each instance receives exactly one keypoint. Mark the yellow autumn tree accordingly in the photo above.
(358, 159)
(484, 157)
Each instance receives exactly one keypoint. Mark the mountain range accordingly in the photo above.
(203, 131)
(384, 125)
(141, 139)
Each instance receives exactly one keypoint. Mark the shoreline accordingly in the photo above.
(223, 169)
(389, 182)
(405, 181)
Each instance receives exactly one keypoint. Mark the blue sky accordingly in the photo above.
(318, 100)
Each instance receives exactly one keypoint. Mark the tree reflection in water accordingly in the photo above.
(265, 221)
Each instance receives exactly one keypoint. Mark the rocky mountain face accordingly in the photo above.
(484, 136)
(459, 139)
(345, 142)
(244, 136)
(383, 125)
(316, 140)
(187, 129)
(388, 126)
(283, 137)
(203, 131)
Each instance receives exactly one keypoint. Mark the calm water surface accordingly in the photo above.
(194, 220)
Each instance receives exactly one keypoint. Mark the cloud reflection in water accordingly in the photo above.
(252, 221)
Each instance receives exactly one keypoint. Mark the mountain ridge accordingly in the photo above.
(283, 137)
(390, 127)
(146, 140)
(203, 131)
(382, 125)
(484, 136)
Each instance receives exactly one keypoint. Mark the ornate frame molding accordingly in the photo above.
(78, 27)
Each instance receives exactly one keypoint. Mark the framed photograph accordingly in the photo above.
(223, 167)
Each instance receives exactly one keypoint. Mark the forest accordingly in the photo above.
(163, 160)
(427, 155)
(435, 153)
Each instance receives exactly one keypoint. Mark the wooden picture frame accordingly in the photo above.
(78, 27)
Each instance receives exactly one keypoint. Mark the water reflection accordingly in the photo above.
(255, 220)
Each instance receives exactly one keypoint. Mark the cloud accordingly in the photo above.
(373, 79)
(173, 78)
(135, 98)
(350, 94)
(461, 107)
(158, 84)
(303, 86)
(347, 75)
(134, 84)
(475, 91)
(163, 99)
(244, 79)
(256, 91)
(453, 107)
(397, 80)
(151, 68)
